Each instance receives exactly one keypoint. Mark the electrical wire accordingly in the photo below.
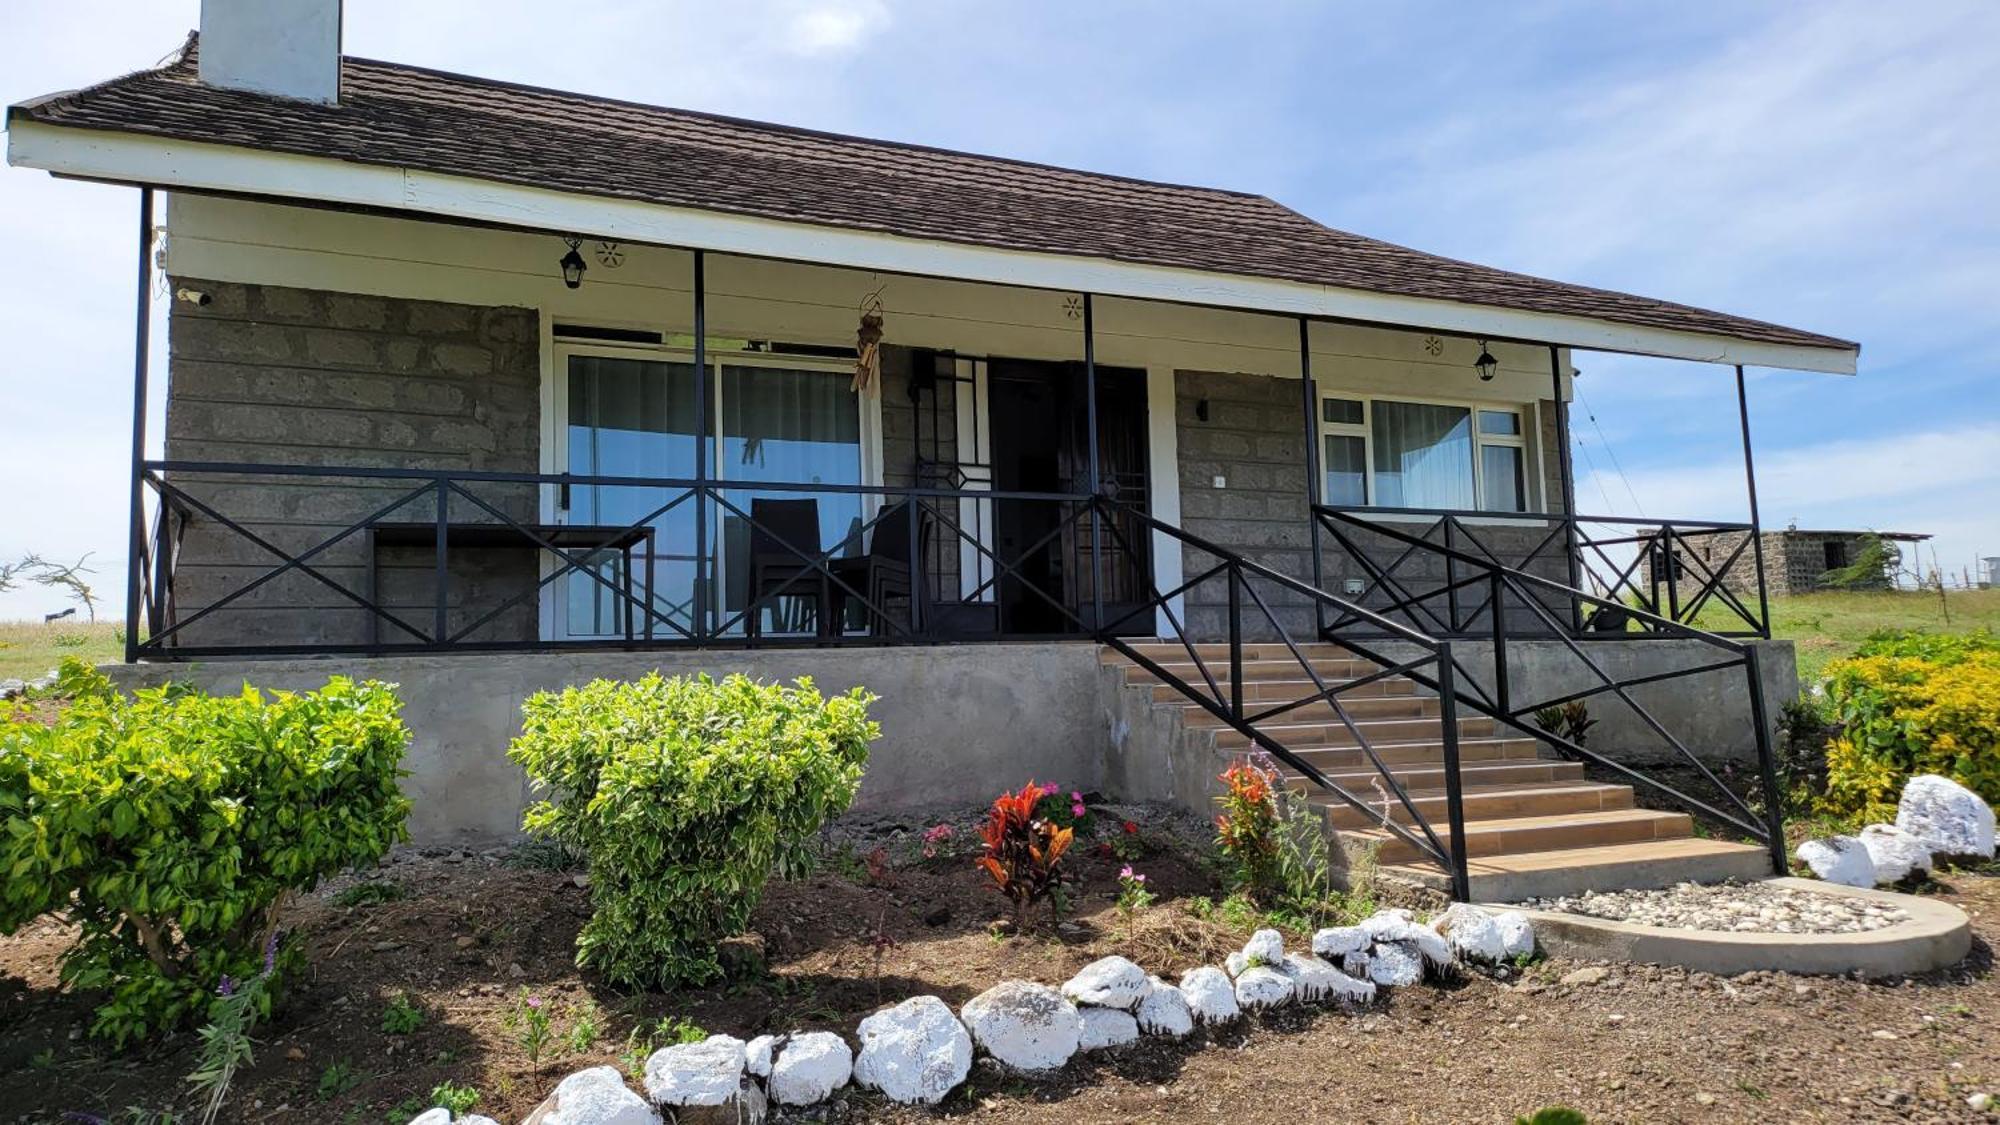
(1608, 451)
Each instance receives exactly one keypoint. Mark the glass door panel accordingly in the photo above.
(631, 417)
(785, 424)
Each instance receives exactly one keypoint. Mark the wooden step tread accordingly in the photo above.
(1559, 820)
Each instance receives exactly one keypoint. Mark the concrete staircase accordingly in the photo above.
(1534, 825)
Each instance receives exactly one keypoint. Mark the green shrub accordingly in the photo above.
(683, 795)
(171, 826)
(1938, 648)
(1901, 715)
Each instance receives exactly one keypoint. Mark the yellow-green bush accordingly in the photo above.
(683, 794)
(169, 827)
(1901, 715)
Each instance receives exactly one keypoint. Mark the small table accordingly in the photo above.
(530, 537)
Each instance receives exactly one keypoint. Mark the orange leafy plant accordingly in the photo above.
(1023, 852)
(1247, 828)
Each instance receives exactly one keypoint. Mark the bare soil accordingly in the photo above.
(468, 935)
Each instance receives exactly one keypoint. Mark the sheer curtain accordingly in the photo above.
(788, 425)
(1423, 455)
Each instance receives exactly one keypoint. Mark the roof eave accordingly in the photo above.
(132, 158)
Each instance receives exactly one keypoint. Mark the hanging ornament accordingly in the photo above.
(868, 343)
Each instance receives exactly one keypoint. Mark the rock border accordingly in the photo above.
(1935, 935)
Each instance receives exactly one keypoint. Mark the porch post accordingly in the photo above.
(1566, 462)
(142, 333)
(1309, 393)
(1090, 447)
(701, 583)
(1756, 525)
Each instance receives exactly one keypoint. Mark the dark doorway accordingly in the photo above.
(1039, 445)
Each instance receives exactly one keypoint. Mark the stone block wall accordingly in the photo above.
(273, 375)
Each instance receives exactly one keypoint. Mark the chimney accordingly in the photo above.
(290, 48)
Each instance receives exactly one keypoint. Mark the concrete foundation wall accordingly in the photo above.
(959, 724)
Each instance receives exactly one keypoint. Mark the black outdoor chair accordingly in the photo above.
(884, 571)
(776, 569)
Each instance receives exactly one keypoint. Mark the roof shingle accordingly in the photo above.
(403, 116)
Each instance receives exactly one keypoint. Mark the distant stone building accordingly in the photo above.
(1794, 559)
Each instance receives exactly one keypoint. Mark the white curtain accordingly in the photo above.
(1423, 455)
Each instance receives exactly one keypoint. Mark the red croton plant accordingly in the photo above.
(1023, 852)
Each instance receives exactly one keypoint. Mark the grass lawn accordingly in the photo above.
(29, 648)
(1830, 625)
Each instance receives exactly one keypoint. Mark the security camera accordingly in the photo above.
(194, 297)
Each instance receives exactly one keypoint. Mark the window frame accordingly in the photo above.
(1527, 415)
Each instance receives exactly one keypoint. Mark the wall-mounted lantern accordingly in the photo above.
(1486, 365)
(573, 264)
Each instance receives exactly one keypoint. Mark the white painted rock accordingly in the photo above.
(1517, 933)
(1165, 1011)
(915, 1052)
(1262, 986)
(1314, 981)
(1839, 859)
(1107, 1027)
(1235, 963)
(1024, 1025)
(477, 1119)
(1112, 982)
(809, 1067)
(1265, 947)
(1210, 996)
(694, 1074)
(1336, 941)
(1393, 964)
(1355, 964)
(1895, 853)
(1947, 817)
(1396, 926)
(436, 1115)
(1471, 933)
(757, 1055)
(597, 1096)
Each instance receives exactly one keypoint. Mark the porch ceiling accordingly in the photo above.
(413, 140)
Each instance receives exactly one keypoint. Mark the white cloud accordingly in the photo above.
(834, 27)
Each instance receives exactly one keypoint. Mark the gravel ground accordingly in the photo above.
(1752, 908)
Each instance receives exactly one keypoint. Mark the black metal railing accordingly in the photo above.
(1256, 604)
(1476, 596)
(650, 561)
(1690, 572)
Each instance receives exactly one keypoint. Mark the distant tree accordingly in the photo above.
(1874, 566)
(56, 576)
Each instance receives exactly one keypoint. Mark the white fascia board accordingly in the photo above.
(194, 166)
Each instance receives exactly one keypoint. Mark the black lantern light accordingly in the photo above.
(1486, 365)
(572, 265)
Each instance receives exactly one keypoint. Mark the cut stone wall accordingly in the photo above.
(274, 375)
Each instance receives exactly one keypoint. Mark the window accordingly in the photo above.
(1423, 455)
(772, 418)
(1834, 553)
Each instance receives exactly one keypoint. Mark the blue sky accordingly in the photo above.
(1825, 165)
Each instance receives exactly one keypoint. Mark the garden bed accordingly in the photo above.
(466, 934)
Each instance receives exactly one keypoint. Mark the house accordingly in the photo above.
(1791, 560)
(487, 389)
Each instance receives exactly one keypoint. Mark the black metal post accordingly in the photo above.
(1090, 447)
(142, 343)
(1756, 525)
(701, 582)
(1309, 394)
(1774, 812)
(440, 627)
(1500, 688)
(1454, 785)
(1235, 643)
(1567, 463)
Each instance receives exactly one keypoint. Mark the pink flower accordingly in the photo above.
(1076, 809)
(534, 1001)
(1125, 872)
(1050, 789)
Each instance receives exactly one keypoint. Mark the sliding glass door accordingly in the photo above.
(772, 419)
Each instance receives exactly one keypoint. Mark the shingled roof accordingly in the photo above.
(409, 117)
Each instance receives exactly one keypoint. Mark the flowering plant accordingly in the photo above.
(1247, 828)
(529, 1020)
(1065, 809)
(1023, 850)
(940, 840)
(1132, 893)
